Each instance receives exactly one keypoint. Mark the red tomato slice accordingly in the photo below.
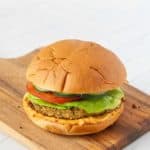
(49, 96)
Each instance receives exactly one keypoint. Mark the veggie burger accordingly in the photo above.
(73, 88)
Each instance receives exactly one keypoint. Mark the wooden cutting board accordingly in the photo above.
(134, 122)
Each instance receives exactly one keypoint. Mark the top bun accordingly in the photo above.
(75, 66)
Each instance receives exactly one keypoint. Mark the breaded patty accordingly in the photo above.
(73, 113)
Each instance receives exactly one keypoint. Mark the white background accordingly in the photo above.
(120, 25)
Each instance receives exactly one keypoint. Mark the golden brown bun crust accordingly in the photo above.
(82, 126)
(74, 66)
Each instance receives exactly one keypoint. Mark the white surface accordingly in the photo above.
(123, 26)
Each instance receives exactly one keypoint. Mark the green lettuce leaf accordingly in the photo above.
(90, 104)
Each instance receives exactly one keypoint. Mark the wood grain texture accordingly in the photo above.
(134, 122)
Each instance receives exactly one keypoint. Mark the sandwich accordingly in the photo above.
(74, 88)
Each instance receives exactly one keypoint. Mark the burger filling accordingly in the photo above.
(73, 106)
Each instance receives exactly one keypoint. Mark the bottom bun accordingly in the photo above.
(87, 125)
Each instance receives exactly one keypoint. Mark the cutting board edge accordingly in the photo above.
(19, 137)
